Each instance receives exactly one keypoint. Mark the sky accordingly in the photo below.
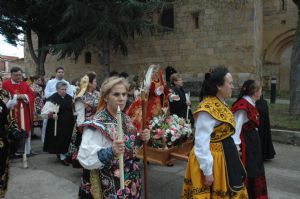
(7, 49)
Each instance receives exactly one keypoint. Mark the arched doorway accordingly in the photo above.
(277, 60)
(284, 69)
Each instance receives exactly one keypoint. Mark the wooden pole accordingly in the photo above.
(144, 144)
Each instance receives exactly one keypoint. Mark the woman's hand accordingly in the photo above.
(208, 180)
(145, 135)
(55, 116)
(118, 147)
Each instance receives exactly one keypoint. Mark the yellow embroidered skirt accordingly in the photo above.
(194, 187)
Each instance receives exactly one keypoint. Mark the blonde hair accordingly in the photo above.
(106, 87)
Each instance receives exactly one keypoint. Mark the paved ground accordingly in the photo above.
(46, 178)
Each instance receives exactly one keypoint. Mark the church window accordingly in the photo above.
(167, 16)
(195, 16)
(283, 4)
(88, 58)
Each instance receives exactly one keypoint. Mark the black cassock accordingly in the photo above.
(180, 107)
(264, 130)
(60, 143)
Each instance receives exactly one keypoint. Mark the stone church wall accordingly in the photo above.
(227, 34)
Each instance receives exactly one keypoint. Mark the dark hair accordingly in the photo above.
(75, 81)
(52, 77)
(249, 87)
(59, 68)
(92, 76)
(36, 77)
(201, 95)
(123, 74)
(113, 73)
(212, 80)
(15, 69)
(169, 71)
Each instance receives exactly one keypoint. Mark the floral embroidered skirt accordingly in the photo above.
(194, 187)
(105, 183)
(4, 166)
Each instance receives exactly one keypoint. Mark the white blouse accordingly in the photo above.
(80, 111)
(204, 125)
(92, 142)
(241, 118)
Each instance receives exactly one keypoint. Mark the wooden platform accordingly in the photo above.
(167, 156)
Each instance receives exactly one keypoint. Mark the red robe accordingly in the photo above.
(21, 88)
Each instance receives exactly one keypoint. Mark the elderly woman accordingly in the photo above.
(58, 144)
(100, 147)
(214, 169)
(248, 141)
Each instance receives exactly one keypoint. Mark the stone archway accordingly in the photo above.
(277, 59)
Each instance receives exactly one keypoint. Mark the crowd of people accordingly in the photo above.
(78, 124)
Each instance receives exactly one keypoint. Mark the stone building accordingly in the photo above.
(7, 62)
(253, 40)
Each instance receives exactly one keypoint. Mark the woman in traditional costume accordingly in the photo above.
(86, 102)
(214, 169)
(38, 102)
(100, 147)
(8, 130)
(247, 122)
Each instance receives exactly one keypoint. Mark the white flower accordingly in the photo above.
(172, 132)
(173, 138)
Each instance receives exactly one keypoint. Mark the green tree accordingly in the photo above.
(295, 69)
(105, 25)
(43, 17)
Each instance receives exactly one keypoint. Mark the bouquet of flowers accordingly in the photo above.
(168, 130)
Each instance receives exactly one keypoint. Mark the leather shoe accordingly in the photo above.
(65, 162)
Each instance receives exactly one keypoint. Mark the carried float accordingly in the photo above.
(171, 137)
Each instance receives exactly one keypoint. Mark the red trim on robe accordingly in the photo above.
(21, 88)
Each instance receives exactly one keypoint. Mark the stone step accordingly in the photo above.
(286, 136)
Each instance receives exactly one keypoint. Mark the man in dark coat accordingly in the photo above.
(264, 130)
(59, 143)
